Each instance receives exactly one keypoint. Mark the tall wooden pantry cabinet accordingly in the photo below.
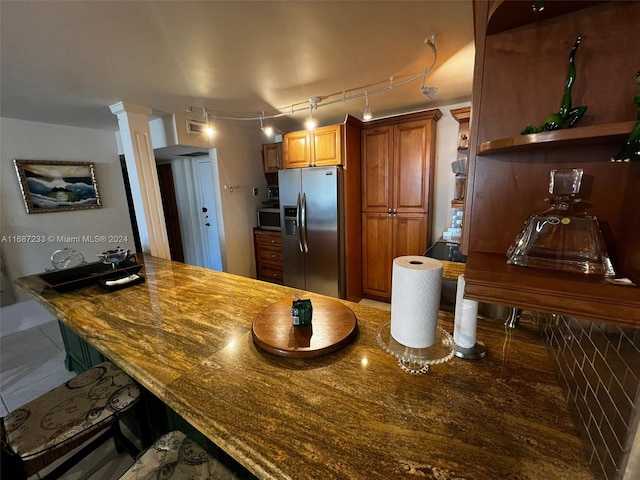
(398, 155)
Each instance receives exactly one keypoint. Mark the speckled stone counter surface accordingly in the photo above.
(185, 335)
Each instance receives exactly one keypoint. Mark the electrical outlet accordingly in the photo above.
(255, 191)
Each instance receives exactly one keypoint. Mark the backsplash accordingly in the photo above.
(599, 369)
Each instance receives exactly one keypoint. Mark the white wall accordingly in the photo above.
(41, 141)
(239, 164)
(444, 182)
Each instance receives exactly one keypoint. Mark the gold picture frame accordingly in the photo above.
(56, 186)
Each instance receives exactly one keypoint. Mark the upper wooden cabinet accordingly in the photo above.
(398, 165)
(319, 148)
(272, 157)
(519, 77)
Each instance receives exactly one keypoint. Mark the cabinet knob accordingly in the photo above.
(273, 255)
(273, 240)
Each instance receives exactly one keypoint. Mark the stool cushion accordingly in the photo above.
(90, 401)
(174, 455)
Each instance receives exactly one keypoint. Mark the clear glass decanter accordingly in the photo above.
(561, 239)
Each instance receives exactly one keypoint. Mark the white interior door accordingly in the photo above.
(207, 214)
(193, 179)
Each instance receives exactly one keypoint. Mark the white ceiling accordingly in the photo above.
(65, 62)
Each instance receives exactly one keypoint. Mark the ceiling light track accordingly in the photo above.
(316, 102)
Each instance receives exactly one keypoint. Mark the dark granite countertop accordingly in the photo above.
(185, 335)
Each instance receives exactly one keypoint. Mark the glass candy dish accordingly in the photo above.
(560, 238)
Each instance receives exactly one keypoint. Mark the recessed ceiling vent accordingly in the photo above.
(195, 127)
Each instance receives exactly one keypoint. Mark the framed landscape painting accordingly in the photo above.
(53, 186)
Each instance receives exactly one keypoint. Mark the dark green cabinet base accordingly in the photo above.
(80, 356)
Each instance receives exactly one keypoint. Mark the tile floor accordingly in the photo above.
(32, 363)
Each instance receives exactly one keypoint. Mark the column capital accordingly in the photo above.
(127, 107)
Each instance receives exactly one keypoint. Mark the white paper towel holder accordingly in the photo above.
(417, 360)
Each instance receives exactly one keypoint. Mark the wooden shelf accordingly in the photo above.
(570, 137)
(457, 203)
(490, 279)
(506, 14)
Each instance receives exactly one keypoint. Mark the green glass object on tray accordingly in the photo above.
(568, 116)
(561, 239)
(631, 150)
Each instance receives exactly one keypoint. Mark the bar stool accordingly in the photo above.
(176, 456)
(59, 421)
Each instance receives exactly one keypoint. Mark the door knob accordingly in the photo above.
(208, 224)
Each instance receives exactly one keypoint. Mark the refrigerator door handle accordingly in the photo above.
(299, 221)
(303, 223)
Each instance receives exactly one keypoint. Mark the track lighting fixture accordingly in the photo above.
(367, 115)
(310, 124)
(268, 130)
(430, 92)
(342, 96)
(208, 129)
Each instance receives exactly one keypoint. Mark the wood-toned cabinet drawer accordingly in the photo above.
(269, 273)
(268, 250)
(268, 239)
(271, 255)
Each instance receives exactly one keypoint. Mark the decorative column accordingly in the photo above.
(143, 177)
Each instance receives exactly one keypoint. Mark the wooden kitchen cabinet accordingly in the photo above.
(319, 148)
(398, 156)
(268, 252)
(386, 237)
(517, 82)
(272, 157)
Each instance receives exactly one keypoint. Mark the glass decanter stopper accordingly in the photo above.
(561, 239)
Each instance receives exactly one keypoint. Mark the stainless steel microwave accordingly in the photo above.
(269, 219)
(273, 192)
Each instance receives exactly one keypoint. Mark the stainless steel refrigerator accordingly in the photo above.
(311, 217)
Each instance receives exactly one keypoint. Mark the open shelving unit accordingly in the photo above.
(508, 172)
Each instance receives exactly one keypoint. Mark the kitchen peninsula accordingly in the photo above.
(185, 335)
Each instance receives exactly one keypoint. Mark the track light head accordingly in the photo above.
(430, 92)
(430, 42)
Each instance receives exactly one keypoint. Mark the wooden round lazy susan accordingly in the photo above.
(333, 326)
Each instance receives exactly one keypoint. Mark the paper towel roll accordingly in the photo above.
(466, 318)
(415, 300)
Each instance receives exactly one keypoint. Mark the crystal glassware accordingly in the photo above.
(560, 238)
(114, 256)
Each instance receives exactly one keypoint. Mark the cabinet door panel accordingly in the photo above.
(409, 235)
(296, 150)
(376, 169)
(376, 254)
(327, 146)
(272, 157)
(411, 167)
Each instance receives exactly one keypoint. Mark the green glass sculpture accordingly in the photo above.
(567, 115)
(631, 150)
